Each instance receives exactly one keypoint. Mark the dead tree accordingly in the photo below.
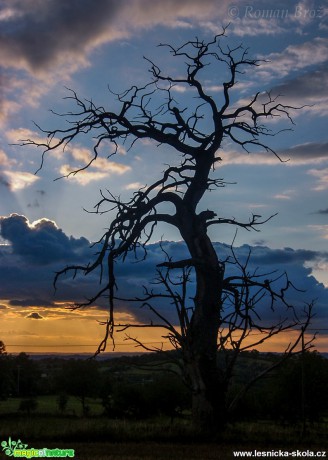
(223, 311)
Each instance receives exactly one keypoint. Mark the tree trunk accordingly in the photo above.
(208, 384)
(208, 392)
(200, 350)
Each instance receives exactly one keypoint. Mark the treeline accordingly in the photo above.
(148, 385)
(296, 390)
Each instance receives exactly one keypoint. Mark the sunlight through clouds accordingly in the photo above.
(83, 177)
(134, 186)
(322, 229)
(98, 47)
(322, 178)
(293, 58)
(19, 180)
(5, 161)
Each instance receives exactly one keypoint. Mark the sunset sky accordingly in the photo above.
(47, 46)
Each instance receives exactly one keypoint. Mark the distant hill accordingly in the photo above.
(100, 357)
(114, 355)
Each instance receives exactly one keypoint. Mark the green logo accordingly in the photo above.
(10, 446)
(18, 449)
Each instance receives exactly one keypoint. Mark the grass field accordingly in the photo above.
(101, 438)
(48, 405)
(98, 437)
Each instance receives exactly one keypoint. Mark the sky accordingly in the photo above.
(48, 46)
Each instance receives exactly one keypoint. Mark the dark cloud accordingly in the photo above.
(34, 315)
(131, 276)
(4, 182)
(38, 31)
(308, 90)
(259, 242)
(36, 252)
(262, 255)
(322, 211)
(313, 84)
(308, 152)
(41, 243)
(29, 262)
(39, 34)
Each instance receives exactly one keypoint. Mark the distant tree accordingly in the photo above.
(161, 395)
(167, 395)
(300, 389)
(27, 375)
(2, 348)
(223, 311)
(294, 393)
(127, 401)
(28, 405)
(6, 373)
(62, 401)
(80, 378)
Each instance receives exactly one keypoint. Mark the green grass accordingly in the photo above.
(93, 429)
(98, 437)
(101, 429)
(48, 405)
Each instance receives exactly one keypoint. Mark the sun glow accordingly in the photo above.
(60, 330)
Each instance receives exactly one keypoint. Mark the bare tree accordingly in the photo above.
(222, 313)
(2, 348)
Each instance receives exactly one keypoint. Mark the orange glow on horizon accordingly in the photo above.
(58, 330)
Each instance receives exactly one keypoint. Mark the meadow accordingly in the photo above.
(99, 437)
(118, 409)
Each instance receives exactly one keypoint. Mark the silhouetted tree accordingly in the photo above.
(80, 378)
(162, 395)
(27, 375)
(167, 394)
(28, 405)
(223, 311)
(62, 401)
(6, 373)
(2, 348)
(302, 381)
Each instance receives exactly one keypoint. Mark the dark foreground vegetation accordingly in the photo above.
(149, 385)
(102, 438)
(137, 407)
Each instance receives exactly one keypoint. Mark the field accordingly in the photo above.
(47, 405)
(123, 409)
(99, 437)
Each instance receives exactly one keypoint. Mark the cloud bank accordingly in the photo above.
(309, 153)
(36, 251)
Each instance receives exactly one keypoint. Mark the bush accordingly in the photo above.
(164, 395)
(28, 405)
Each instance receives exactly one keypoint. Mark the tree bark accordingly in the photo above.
(200, 349)
(207, 384)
